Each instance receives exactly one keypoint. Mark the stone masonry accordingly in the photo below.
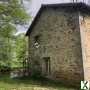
(59, 40)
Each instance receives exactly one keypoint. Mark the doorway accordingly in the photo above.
(46, 65)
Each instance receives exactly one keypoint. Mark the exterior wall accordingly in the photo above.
(85, 36)
(60, 40)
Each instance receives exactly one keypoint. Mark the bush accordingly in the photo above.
(5, 69)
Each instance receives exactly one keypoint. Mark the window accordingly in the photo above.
(37, 38)
(36, 41)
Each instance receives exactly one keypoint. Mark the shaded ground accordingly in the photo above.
(30, 84)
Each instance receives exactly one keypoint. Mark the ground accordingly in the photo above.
(29, 84)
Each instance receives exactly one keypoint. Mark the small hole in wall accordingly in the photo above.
(72, 39)
(56, 46)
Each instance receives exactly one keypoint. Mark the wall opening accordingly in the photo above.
(47, 65)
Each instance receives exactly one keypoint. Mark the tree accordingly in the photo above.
(20, 50)
(12, 13)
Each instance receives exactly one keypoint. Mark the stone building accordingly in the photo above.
(59, 47)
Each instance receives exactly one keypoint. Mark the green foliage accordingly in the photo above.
(11, 13)
(20, 51)
(21, 48)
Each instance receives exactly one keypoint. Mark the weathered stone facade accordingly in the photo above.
(55, 45)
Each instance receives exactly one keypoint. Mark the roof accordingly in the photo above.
(82, 7)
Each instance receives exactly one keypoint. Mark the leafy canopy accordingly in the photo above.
(12, 13)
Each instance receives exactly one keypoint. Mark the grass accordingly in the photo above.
(28, 83)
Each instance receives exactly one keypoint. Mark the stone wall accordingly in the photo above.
(85, 37)
(59, 39)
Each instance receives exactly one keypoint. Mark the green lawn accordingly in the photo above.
(29, 84)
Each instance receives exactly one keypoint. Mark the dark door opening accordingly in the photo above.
(47, 66)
